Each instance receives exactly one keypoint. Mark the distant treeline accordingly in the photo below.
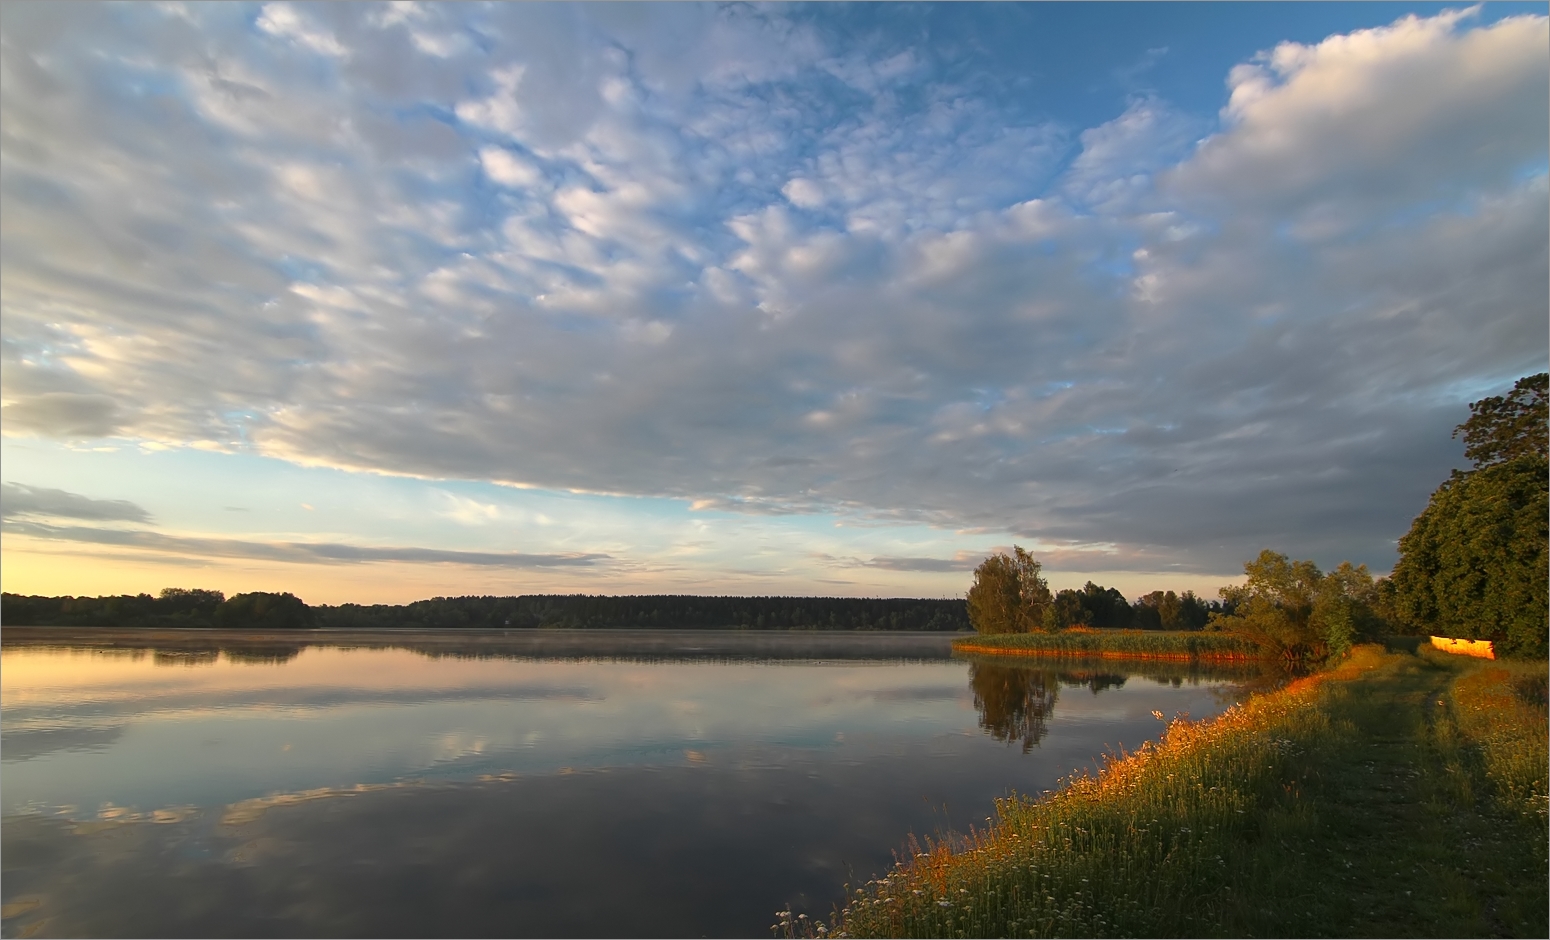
(656, 612)
(174, 607)
(178, 607)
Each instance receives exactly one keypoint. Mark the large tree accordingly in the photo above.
(1009, 594)
(1473, 564)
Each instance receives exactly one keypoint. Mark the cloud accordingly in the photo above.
(720, 255)
(1347, 130)
(282, 20)
(506, 168)
(922, 564)
(64, 414)
(309, 553)
(19, 501)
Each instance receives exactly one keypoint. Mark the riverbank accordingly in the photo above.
(1398, 794)
(1172, 645)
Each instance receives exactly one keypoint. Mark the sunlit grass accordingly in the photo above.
(1180, 645)
(1345, 803)
(1501, 708)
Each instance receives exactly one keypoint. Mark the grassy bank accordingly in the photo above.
(1178, 645)
(1395, 795)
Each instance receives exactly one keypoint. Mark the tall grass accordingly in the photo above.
(1179, 645)
(1502, 710)
(1134, 851)
(1325, 807)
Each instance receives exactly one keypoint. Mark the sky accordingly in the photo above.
(373, 303)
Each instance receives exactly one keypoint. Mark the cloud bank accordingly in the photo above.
(717, 254)
(309, 553)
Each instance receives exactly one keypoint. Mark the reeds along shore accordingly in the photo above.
(1177, 646)
(1244, 825)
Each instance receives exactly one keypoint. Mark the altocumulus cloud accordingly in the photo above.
(296, 552)
(716, 254)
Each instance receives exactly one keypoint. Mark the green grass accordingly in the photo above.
(1394, 795)
(1128, 644)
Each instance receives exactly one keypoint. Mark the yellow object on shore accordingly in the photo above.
(1479, 648)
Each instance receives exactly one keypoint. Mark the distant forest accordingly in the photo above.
(178, 607)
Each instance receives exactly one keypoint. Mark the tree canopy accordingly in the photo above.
(1009, 594)
(1298, 611)
(1092, 606)
(264, 611)
(195, 608)
(1473, 565)
(1505, 427)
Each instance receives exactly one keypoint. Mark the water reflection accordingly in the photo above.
(202, 784)
(1016, 697)
(1015, 703)
(201, 647)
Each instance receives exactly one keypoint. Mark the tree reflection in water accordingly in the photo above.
(1015, 704)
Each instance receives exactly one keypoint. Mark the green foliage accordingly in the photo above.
(1165, 610)
(264, 611)
(1473, 565)
(1092, 606)
(1009, 594)
(1294, 610)
(176, 607)
(1506, 427)
(551, 611)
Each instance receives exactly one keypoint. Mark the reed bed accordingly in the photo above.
(1176, 645)
(1318, 809)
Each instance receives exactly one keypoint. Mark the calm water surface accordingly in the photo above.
(565, 785)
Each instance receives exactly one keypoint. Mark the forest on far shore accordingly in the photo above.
(180, 607)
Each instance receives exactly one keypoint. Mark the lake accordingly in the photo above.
(606, 783)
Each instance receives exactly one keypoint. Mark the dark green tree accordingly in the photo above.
(1065, 611)
(1165, 610)
(262, 611)
(1473, 565)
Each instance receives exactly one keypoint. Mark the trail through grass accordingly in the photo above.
(1397, 795)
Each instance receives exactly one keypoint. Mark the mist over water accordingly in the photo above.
(528, 785)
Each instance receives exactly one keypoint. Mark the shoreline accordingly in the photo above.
(1352, 779)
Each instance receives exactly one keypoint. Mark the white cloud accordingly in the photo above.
(804, 193)
(506, 168)
(1365, 124)
(283, 21)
